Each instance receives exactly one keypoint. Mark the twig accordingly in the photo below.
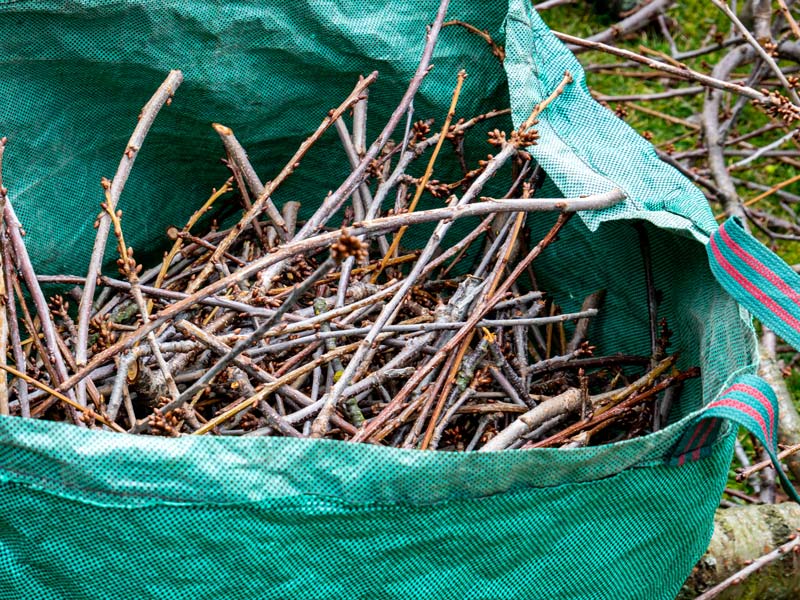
(377, 422)
(448, 416)
(744, 460)
(68, 401)
(687, 91)
(290, 210)
(480, 429)
(124, 363)
(238, 155)
(362, 358)
(25, 267)
(592, 302)
(5, 298)
(663, 116)
(155, 292)
(566, 402)
(319, 241)
(687, 74)
(360, 124)
(551, 4)
(423, 327)
(763, 150)
(784, 8)
(715, 137)
(650, 287)
(566, 79)
(129, 267)
(497, 50)
(254, 337)
(13, 324)
(162, 96)
(747, 472)
(664, 27)
(462, 75)
(248, 366)
(769, 192)
(634, 22)
(335, 200)
(178, 243)
(567, 205)
(266, 194)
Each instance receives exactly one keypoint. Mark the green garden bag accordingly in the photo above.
(89, 514)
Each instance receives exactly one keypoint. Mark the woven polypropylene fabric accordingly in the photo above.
(87, 514)
(98, 515)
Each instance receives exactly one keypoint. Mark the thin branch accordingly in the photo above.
(715, 137)
(162, 96)
(25, 267)
(363, 356)
(334, 201)
(259, 332)
(764, 150)
(785, 453)
(639, 19)
(130, 269)
(13, 323)
(243, 362)
(789, 18)
(238, 155)
(376, 423)
(687, 91)
(687, 74)
(497, 50)
(462, 75)
(765, 56)
(66, 400)
(547, 4)
(156, 292)
(566, 79)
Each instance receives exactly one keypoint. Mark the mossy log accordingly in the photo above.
(741, 535)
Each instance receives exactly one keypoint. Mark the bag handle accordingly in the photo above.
(765, 285)
(749, 402)
(757, 279)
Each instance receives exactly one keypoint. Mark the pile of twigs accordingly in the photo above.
(279, 326)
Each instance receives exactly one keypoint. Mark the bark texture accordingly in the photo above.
(741, 535)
